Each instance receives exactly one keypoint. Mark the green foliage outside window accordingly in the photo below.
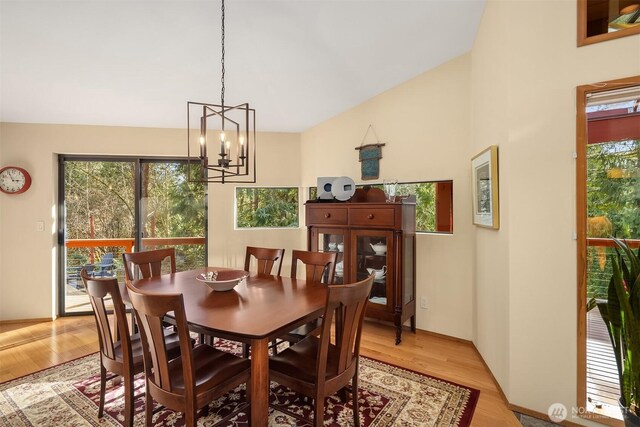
(102, 193)
(425, 193)
(173, 206)
(613, 205)
(266, 207)
(613, 187)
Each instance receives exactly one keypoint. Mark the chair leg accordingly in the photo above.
(343, 394)
(354, 396)
(190, 417)
(103, 386)
(148, 407)
(245, 350)
(203, 412)
(128, 402)
(134, 325)
(318, 411)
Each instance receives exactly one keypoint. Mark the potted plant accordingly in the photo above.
(621, 314)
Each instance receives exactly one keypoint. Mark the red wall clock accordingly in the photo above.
(14, 180)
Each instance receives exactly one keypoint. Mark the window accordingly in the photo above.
(434, 203)
(266, 207)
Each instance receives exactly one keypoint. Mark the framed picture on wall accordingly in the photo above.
(484, 170)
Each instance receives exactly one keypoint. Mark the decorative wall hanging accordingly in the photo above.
(484, 169)
(370, 155)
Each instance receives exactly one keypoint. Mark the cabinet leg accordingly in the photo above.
(413, 323)
(398, 334)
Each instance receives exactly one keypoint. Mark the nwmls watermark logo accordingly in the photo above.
(557, 412)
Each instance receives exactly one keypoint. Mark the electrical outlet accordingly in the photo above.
(423, 302)
(39, 225)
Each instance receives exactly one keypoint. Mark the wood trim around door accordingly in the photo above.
(581, 220)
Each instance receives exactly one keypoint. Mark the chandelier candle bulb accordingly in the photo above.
(203, 147)
(203, 137)
(222, 144)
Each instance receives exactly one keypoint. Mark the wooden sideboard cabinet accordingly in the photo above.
(367, 237)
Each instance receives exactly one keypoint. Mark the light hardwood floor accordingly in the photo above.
(29, 347)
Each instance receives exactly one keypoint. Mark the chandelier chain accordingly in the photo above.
(222, 60)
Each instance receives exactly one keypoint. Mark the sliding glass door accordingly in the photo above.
(108, 206)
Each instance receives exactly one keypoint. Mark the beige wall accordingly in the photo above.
(525, 68)
(425, 125)
(28, 257)
(2, 201)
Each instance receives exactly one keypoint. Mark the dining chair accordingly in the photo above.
(316, 368)
(267, 259)
(120, 353)
(145, 264)
(191, 381)
(319, 266)
(148, 263)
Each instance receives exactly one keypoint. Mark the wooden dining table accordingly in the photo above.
(256, 311)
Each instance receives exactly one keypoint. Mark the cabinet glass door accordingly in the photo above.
(334, 241)
(372, 255)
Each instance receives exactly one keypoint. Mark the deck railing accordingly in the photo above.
(88, 252)
(602, 379)
(129, 243)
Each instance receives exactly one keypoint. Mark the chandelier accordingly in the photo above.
(229, 130)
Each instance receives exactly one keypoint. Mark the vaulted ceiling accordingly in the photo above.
(297, 62)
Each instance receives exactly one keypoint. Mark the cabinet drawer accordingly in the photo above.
(327, 216)
(380, 217)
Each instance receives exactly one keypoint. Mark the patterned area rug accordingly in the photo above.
(68, 395)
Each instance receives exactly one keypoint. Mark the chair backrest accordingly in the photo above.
(349, 303)
(99, 290)
(106, 260)
(150, 310)
(267, 258)
(149, 263)
(316, 264)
